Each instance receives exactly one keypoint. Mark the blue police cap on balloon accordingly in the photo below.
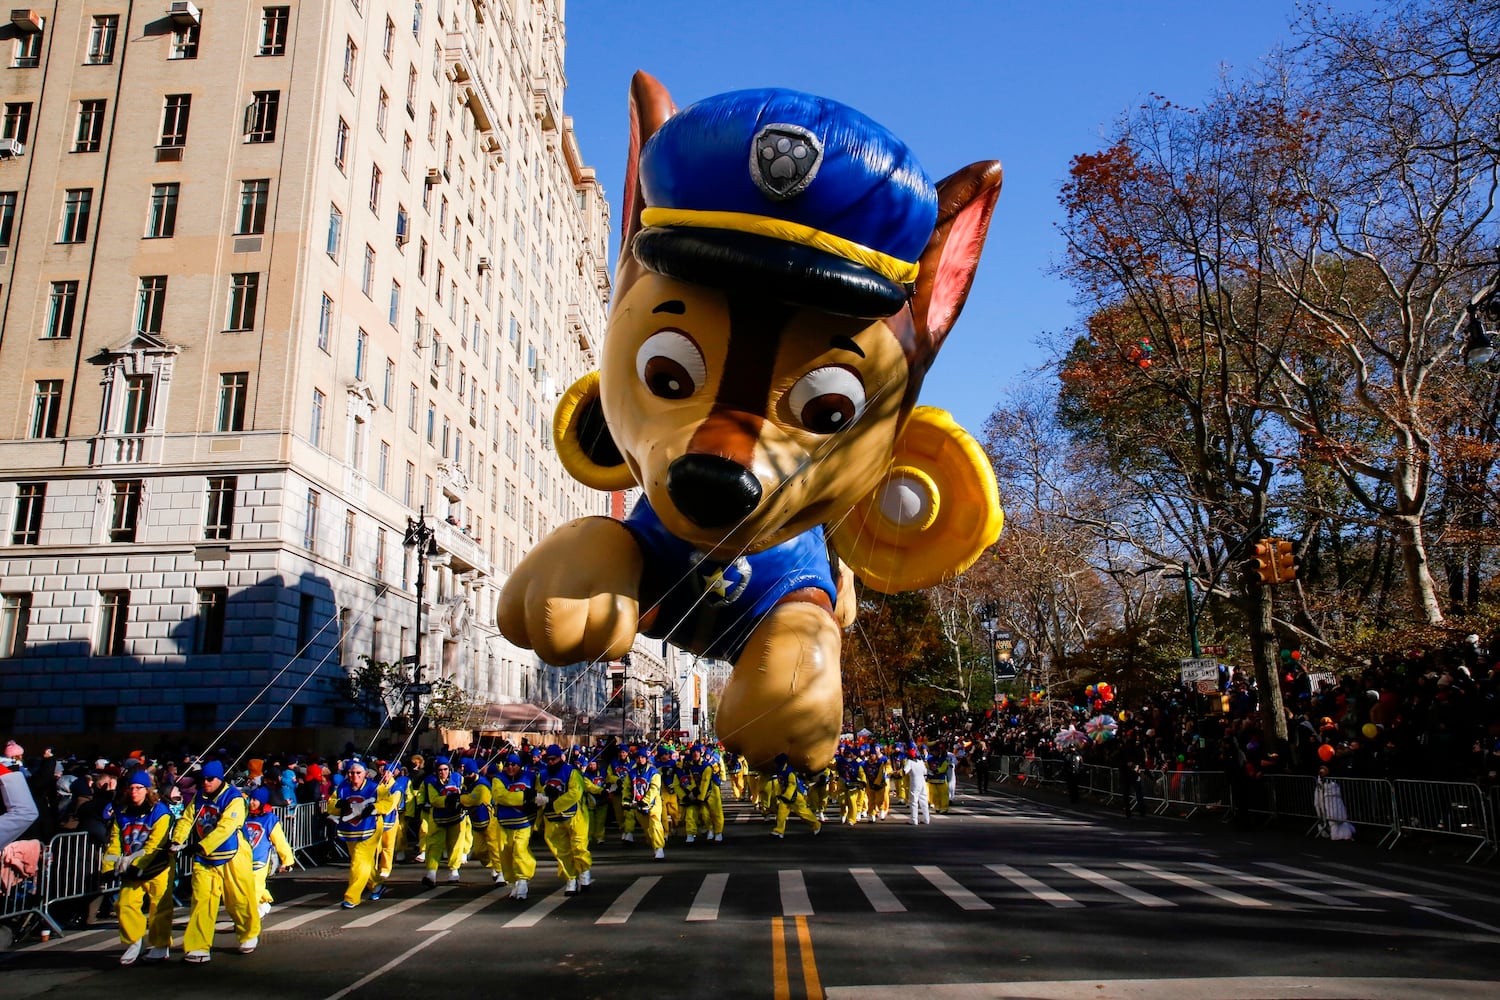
(777, 189)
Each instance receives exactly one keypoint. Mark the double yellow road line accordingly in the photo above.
(813, 988)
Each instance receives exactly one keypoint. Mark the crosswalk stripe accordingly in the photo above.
(1322, 898)
(110, 941)
(456, 916)
(945, 884)
(71, 937)
(881, 898)
(1177, 878)
(706, 903)
(384, 912)
(620, 910)
(1098, 878)
(1373, 890)
(794, 898)
(1040, 890)
(540, 909)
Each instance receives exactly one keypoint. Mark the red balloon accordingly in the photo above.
(1325, 753)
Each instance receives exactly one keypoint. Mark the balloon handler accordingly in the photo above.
(787, 275)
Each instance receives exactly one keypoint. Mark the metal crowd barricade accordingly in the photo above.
(28, 895)
(73, 872)
(1447, 808)
(1371, 802)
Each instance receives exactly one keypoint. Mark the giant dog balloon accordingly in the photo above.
(787, 274)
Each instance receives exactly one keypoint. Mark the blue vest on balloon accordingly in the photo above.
(257, 829)
(713, 606)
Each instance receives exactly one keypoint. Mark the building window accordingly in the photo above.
(260, 116)
(255, 197)
(335, 231)
(27, 527)
(388, 47)
(382, 111)
(388, 390)
(185, 43)
(274, 22)
(17, 121)
(349, 538)
(410, 485)
(7, 216)
(234, 389)
(28, 50)
(361, 353)
(162, 222)
(367, 278)
(375, 179)
(102, 35)
(315, 426)
(341, 145)
(383, 466)
(244, 288)
(15, 617)
(411, 407)
(150, 303)
(125, 510)
(114, 609)
(61, 303)
(137, 416)
(382, 540)
(46, 404)
(325, 323)
(403, 226)
(394, 313)
(351, 62)
(218, 520)
(75, 217)
(212, 605)
(174, 120)
(310, 529)
(406, 156)
(90, 133)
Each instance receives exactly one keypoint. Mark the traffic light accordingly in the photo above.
(1265, 561)
(1286, 561)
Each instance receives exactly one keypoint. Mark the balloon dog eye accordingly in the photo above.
(670, 365)
(827, 399)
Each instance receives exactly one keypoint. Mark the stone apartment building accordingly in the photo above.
(275, 280)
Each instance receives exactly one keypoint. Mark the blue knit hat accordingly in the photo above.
(261, 795)
(142, 778)
(212, 769)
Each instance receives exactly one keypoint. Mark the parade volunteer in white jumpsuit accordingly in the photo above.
(916, 775)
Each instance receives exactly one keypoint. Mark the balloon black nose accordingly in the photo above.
(712, 492)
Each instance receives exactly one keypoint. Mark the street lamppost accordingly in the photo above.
(1482, 323)
(420, 541)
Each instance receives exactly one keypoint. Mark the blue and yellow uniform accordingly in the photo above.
(359, 802)
(221, 864)
(439, 800)
(645, 799)
(789, 795)
(139, 848)
(263, 830)
(513, 794)
(567, 829)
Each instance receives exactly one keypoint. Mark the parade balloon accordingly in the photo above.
(1325, 753)
(787, 274)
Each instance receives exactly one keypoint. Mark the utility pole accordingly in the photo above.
(420, 540)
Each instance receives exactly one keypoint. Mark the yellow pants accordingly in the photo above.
(361, 867)
(880, 799)
(597, 815)
(234, 883)
(261, 872)
(136, 922)
(937, 791)
(817, 798)
(798, 805)
(443, 841)
(656, 835)
(671, 812)
(516, 860)
(737, 784)
(385, 854)
(568, 839)
(713, 809)
(854, 802)
(465, 842)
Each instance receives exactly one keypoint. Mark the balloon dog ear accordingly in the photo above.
(584, 444)
(930, 516)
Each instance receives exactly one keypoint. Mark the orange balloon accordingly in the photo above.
(1325, 753)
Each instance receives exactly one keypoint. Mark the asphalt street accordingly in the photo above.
(1010, 895)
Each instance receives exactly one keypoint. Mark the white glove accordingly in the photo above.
(542, 800)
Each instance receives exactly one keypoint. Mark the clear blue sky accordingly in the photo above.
(1029, 83)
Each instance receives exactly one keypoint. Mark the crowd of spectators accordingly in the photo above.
(1427, 713)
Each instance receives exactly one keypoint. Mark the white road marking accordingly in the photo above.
(1463, 920)
(1113, 885)
(945, 884)
(534, 916)
(1373, 890)
(408, 953)
(456, 916)
(624, 905)
(1177, 878)
(1041, 891)
(382, 911)
(794, 898)
(1322, 898)
(710, 894)
(1226, 988)
(881, 898)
